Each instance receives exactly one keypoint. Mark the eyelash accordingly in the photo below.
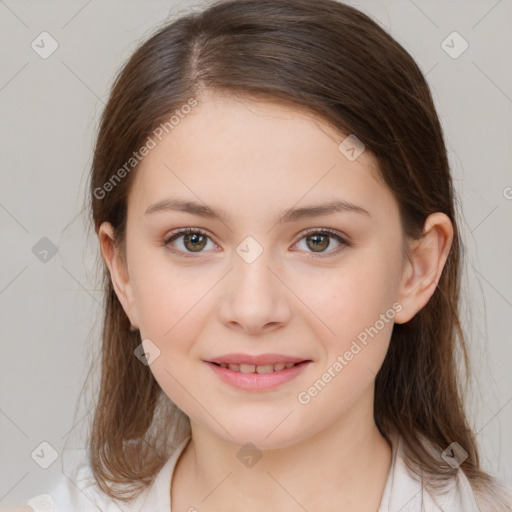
(314, 231)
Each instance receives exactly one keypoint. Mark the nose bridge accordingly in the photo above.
(253, 295)
(251, 272)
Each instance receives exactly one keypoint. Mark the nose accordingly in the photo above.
(254, 298)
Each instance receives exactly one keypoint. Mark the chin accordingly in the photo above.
(265, 435)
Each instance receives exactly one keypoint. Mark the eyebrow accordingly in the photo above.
(290, 215)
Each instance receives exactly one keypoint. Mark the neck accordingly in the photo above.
(346, 465)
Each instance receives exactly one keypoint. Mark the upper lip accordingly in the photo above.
(262, 359)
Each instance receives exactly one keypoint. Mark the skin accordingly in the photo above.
(252, 160)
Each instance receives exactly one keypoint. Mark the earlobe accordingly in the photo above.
(425, 266)
(118, 271)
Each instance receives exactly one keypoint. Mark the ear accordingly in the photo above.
(423, 270)
(118, 271)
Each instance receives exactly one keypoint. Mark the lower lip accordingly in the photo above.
(257, 381)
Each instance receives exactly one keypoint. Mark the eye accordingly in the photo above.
(194, 240)
(318, 240)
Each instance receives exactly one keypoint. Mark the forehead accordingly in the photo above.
(255, 155)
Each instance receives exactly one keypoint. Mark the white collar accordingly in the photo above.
(159, 495)
(402, 493)
(405, 492)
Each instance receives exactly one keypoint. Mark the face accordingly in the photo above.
(315, 287)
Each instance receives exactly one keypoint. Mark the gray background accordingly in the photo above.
(49, 110)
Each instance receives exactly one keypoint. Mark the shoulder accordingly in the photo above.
(76, 489)
(463, 494)
(410, 493)
(495, 497)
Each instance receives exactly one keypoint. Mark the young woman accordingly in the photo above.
(274, 207)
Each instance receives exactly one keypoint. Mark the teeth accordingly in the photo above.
(247, 368)
(262, 368)
(265, 368)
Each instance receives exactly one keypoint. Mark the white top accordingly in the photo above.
(402, 493)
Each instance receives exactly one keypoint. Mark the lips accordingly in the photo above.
(247, 376)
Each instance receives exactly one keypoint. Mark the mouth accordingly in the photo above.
(260, 368)
(257, 373)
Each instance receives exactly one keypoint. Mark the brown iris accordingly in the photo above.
(317, 244)
(198, 241)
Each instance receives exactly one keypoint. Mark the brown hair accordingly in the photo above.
(339, 65)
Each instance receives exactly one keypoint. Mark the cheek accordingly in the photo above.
(170, 299)
(359, 312)
(173, 306)
(353, 295)
(355, 305)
